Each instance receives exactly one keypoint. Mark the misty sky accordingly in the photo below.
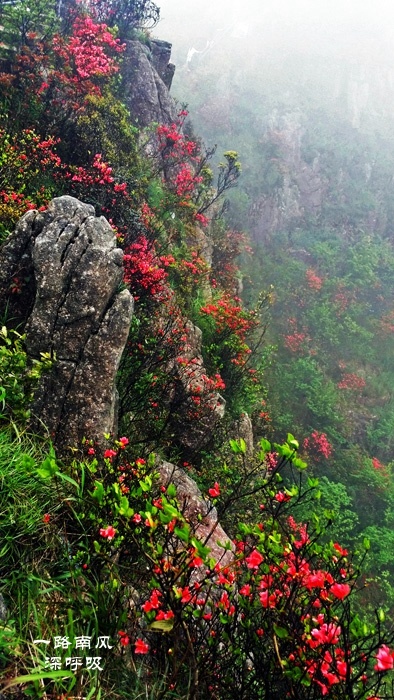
(345, 26)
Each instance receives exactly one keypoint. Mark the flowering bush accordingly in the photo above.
(351, 381)
(273, 620)
(318, 445)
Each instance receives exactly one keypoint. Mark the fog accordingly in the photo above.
(321, 53)
(353, 29)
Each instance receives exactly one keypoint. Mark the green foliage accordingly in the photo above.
(110, 529)
(99, 535)
(126, 15)
(18, 376)
(22, 21)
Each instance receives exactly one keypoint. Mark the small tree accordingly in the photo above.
(126, 14)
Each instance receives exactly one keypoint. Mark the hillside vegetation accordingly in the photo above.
(117, 577)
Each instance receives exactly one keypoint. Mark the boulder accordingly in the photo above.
(77, 316)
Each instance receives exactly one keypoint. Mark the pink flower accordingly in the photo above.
(123, 442)
(136, 518)
(214, 492)
(254, 560)
(245, 590)
(315, 579)
(385, 659)
(141, 647)
(340, 590)
(108, 532)
(108, 454)
(327, 633)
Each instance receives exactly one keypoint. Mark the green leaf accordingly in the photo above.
(98, 493)
(292, 441)
(48, 466)
(265, 445)
(281, 632)
(37, 677)
(299, 463)
(67, 478)
(183, 533)
(171, 490)
(44, 473)
(162, 625)
(238, 446)
(146, 484)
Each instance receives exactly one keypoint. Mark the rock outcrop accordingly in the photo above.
(201, 514)
(147, 76)
(161, 54)
(201, 407)
(302, 189)
(77, 316)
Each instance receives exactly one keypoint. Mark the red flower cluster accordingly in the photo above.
(351, 381)
(318, 444)
(313, 280)
(86, 51)
(108, 532)
(295, 340)
(231, 316)
(143, 269)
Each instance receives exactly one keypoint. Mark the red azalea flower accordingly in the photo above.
(124, 639)
(254, 560)
(141, 647)
(245, 590)
(282, 497)
(108, 454)
(340, 590)
(108, 532)
(46, 518)
(214, 492)
(124, 441)
(340, 550)
(385, 659)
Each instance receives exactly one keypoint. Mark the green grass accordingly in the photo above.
(23, 499)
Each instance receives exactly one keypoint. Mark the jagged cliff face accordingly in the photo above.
(308, 111)
(300, 187)
(147, 75)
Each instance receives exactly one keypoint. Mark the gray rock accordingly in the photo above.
(3, 609)
(161, 54)
(146, 93)
(200, 513)
(78, 316)
(243, 429)
(194, 424)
